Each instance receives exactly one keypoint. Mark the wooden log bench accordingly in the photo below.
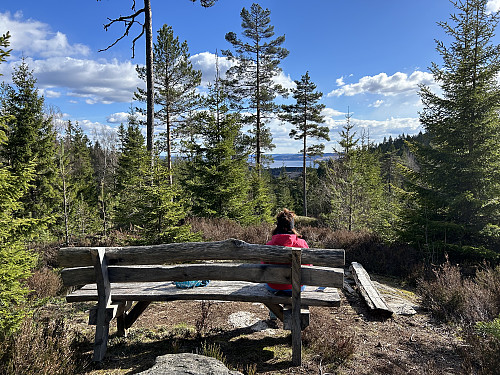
(125, 280)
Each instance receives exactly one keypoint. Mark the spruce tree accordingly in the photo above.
(458, 180)
(133, 161)
(306, 116)
(175, 82)
(16, 261)
(257, 59)
(31, 139)
(78, 185)
(216, 172)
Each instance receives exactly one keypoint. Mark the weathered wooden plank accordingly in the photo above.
(230, 249)
(216, 290)
(296, 305)
(259, 273)
(372, 297)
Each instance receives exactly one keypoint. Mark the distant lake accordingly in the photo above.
(295, 160)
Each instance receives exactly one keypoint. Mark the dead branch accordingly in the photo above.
(128, 22)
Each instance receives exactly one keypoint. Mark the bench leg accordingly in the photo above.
(296, 306)
(121, 329)
(101, 335)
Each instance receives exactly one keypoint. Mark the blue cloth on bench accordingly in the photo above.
(191, 284)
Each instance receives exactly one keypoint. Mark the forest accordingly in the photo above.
(429, 202)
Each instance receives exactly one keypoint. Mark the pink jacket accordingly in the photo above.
(288, 240)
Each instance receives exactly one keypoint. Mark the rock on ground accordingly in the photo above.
(188, 364)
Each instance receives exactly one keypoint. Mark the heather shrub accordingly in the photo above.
(43, 283)
(217, 229)
(481, 355)
(451, 297)
(39, 347)
(330, 346)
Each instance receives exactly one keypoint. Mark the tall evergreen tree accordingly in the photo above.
(251, 78)
(216, 172)
(305, 114)
(131, 166)
(104, 157)
(78, 186)
(15, 260)
(458, 181)
(31, 139)
(356, 184)
(175, 81)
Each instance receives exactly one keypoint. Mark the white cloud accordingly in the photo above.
(36, 39)
(205, 61)
(49, 93)
(492, 6)
(122, 117)
(376, 103)
(330, 112)
(378, 129)
(285, 81)
(340, 81)
(385, 85)
(97, 81)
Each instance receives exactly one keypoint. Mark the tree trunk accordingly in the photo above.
(304, 172)
(149, 77)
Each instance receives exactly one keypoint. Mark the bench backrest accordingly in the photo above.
(161, 263)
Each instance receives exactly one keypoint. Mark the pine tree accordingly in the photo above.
(31, 139)
(175, 82)
(251, 78)
(305, 114)
(458, 181)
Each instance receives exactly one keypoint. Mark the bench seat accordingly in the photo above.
(215, 290)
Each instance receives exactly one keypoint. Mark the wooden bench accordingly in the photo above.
(125, 280)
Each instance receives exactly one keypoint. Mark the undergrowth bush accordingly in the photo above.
(43, 283)
(473, 304)
(328, 343)
(43, 347)
(451, 297)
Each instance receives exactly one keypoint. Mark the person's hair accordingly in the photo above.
(285, 223)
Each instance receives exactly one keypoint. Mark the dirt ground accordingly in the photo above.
(247, 340)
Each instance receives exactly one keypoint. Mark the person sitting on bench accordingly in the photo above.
(285, 235)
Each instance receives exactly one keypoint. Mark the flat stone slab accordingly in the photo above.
(188, 364)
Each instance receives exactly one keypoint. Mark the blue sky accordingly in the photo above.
(368, 56)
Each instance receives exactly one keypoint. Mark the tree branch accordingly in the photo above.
(128, 22)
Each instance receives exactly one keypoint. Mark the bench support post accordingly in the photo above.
(296, 328)
(103, 302)
(134, 314)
